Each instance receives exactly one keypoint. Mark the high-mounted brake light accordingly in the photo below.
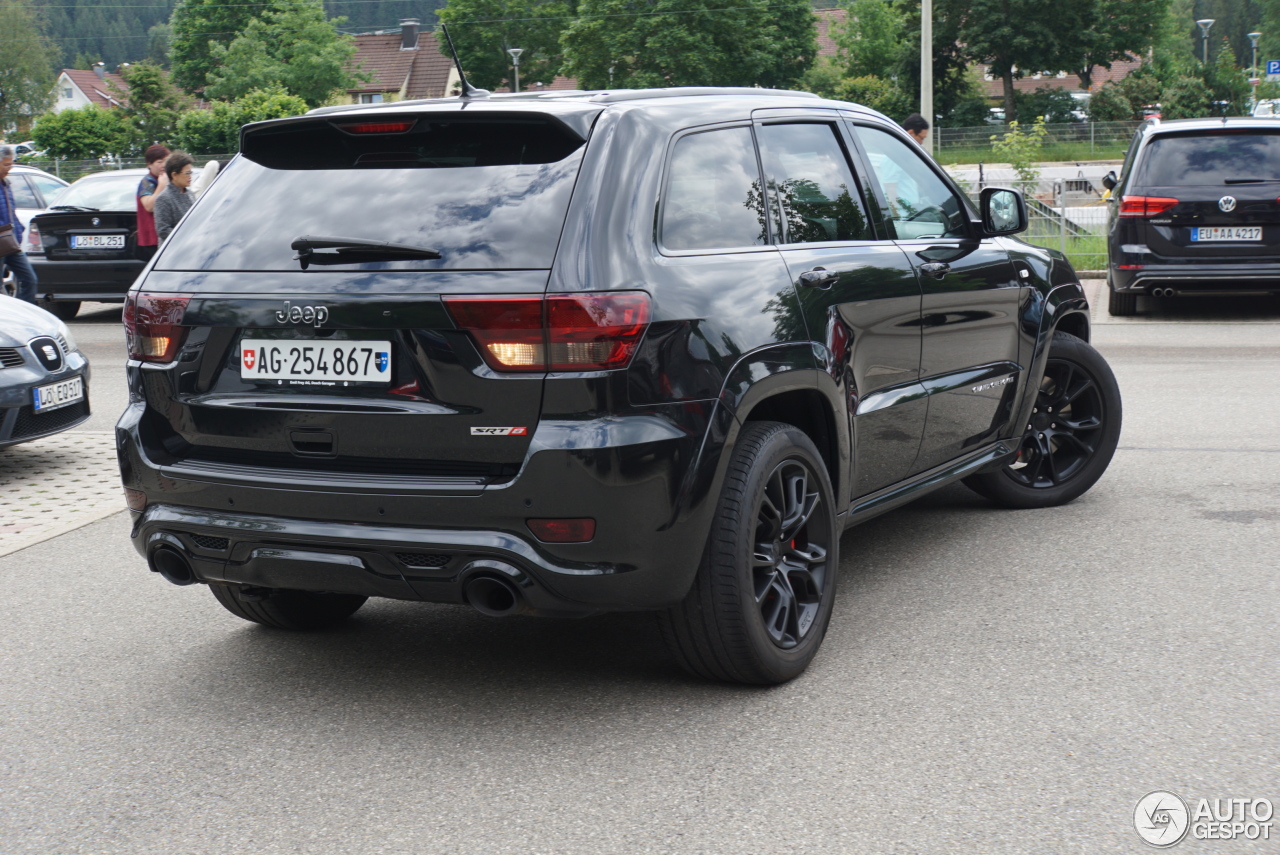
(153, 325)
(560, 332)
(375, 127)
(1145, 206)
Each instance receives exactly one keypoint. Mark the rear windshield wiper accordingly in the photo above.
(1252, 181)
(354, 250)
(73, 208)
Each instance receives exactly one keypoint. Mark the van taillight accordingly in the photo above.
(1145, 206)
(153, 325)
(559, 332)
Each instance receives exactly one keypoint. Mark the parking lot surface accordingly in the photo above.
(993, 682)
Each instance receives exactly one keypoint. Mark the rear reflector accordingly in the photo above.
(560, 332)
(375, 127)
(563, 531)
(1145, 206)
(153, 325)
(135, 499)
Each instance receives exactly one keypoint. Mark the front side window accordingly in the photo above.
(713, 198)
(810, 179)
(920, 203)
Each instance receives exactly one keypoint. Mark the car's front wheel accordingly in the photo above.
(762, 597)
(1072, 434)
(284, 609)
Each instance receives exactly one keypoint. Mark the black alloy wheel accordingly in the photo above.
(1071, 436)
(789, 568)
(760, 603)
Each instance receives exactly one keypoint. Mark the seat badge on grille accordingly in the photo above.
(1227, 204)
(499, 431)
(316, 315)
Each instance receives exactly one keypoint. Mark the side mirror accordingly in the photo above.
(1110, 181)
(1004, 212)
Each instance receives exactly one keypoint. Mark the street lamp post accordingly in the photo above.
(1253, 68)
(926, 69)
(1205, 24)
(515, 60)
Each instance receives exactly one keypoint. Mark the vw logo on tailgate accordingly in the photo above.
(1227, 204)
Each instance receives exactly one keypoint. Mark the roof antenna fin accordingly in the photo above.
(468, 91)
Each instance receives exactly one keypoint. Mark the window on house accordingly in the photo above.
(66, 93)
(371, 98)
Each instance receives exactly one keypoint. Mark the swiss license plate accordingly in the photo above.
(1236, 233)
(324, 363)
(57, 395)
(97, 241)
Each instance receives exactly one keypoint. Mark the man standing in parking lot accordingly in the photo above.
(917, 126)
(15, 261)
(148, 189)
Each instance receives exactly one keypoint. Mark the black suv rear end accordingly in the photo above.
(1196, 211)
(574, 353)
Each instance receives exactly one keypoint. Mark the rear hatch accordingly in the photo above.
(363, 294)
(1209, 197)
(94, 220)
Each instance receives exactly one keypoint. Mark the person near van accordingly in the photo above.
(148, 189)
(176, 199)
(917, 127)
(15, 261)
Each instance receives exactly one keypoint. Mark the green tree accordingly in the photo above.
(483, 31)
(876, 93)
(1021, 148)
(84, 133)
(217, 130)
(1110, 103)
(26, 60)
(1114, 30)
(152, 104)
(1228, 85)
(1186, 97)
(198, 25)
(653, 43)
(291, 45)
(159, 40)
(872, 40)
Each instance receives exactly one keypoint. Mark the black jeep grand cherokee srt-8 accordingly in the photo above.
(566, 354)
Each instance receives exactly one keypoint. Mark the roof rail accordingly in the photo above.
(682, 91)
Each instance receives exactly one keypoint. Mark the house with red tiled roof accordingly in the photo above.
(993, 87)
(401, 64)
(77, 88)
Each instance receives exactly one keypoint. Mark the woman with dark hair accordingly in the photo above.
(149, 187)
(176, 200)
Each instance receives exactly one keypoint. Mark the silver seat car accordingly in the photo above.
(44, 378)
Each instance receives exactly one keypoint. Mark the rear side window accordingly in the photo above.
(810, 177)
(23, 196)
(485, 193)
(713, 198)
(48, 187)
(1219, 158)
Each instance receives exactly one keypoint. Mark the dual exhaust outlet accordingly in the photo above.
(1162, 292)
(489, 593)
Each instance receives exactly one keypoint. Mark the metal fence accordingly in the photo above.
(70, 170)
(1087, 136)
(1061, 218)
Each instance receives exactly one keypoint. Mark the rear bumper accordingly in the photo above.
(105, 281)
(1199, 278)
(421, 544)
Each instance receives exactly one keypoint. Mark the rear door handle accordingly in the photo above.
(818, 277)
(936, 269)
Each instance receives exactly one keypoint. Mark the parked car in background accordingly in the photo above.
(593, 352)
(1195, 212)
(89, 242)
(44, 378)
(33, 191)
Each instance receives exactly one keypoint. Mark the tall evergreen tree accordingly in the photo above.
(26, 75)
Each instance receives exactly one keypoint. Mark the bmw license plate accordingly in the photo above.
(1217, 234)
(97, 241)
(321, 363)
(57, 395)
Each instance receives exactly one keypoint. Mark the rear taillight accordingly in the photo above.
(153, 325)
(1145, 206)
(559, 332)
(33, 239)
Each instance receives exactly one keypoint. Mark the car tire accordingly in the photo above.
(1061, 457)
(763, 594)
(1122, 305)
(63, 310)
(286, 609)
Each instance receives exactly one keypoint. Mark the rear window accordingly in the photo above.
(484, 193)
(1219, 158)
(105, 193)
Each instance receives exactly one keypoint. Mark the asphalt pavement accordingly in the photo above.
(993, 681)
